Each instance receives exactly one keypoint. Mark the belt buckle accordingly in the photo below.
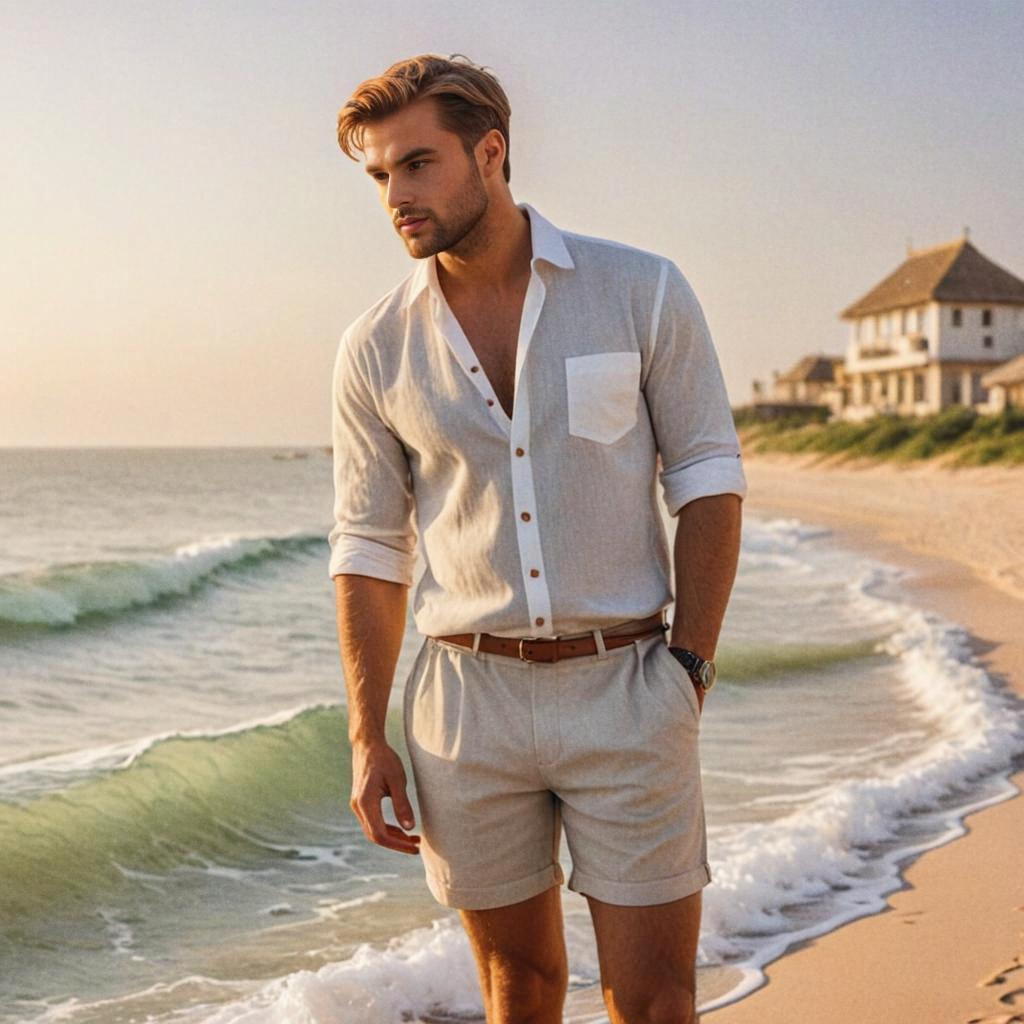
(522, 640)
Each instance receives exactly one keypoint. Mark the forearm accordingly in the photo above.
(706, 553)
(371, 623)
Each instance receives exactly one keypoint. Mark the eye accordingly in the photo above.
(411, 162)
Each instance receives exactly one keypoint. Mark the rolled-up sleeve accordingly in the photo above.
(687, 399)
(373, 532)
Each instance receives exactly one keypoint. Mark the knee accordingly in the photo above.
(527, 992)
(668, 1004)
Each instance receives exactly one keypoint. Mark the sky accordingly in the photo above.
(184, 242)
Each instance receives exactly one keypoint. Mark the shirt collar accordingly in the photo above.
(546, 240)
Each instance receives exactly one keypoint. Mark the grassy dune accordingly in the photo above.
(959, 435)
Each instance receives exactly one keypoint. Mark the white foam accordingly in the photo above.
(427, 969)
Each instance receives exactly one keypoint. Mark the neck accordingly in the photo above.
(493, 257)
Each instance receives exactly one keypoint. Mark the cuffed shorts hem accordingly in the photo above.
(639, 894)
(490, 896)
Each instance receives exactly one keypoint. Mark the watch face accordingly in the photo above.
(708, 673)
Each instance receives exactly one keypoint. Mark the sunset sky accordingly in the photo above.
(185, 243)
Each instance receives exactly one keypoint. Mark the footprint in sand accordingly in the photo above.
(1012, 972)
(1000, 976)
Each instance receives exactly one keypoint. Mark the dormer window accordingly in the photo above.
(986, 318)
(958, 319)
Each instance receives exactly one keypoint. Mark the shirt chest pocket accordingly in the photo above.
(603, 392)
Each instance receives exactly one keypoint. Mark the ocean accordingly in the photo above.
(175, 838)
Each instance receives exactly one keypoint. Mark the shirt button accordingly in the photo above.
(539, 621)
(490, 401)
(525, 516)
(519, 451)
(535, 572)
(473, 369)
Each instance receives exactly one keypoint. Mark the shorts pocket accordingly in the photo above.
(603, 392)
(682, 681)
(434, 707)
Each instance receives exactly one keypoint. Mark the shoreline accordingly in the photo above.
(961, 533)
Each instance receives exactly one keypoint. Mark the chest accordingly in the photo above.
(492, 331)
(437, 404)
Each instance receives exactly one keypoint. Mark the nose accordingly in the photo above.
(397, 193)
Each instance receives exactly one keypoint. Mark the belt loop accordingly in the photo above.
(476, 643)
(602, 652)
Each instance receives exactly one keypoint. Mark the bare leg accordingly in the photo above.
(521, 959)
(648, 960)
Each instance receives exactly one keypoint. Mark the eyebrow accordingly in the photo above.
(411, 155)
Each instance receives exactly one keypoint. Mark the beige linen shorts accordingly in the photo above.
(504, 752)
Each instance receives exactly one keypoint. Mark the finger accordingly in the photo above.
(384, 834)
(396, 839)
(403, 808)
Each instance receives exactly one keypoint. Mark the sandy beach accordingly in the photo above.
(949, 947)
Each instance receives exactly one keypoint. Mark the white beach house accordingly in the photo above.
(924, 336)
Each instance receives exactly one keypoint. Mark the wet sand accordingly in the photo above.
(949, 947)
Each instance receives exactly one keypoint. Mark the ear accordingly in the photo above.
(490, 152)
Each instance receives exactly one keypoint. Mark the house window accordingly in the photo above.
(986, 318)
(987, 341)
(955, 390)
(918, 387)
(957, 317)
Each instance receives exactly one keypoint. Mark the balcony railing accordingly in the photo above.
(903, 344)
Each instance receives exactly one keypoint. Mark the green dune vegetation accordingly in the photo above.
(959, 435)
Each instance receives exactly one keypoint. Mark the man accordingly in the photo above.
(512, 398)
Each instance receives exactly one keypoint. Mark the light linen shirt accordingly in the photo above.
(547, 523)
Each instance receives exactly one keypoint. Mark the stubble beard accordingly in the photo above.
(457, 233)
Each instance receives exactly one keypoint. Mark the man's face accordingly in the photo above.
(423, 174)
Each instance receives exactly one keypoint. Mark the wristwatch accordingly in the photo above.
(702, 672)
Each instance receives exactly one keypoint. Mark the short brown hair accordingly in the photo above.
(470, 100)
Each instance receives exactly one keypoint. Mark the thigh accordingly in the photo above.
(629, 778)
(520, 944)
(647, 953)
(490, 827)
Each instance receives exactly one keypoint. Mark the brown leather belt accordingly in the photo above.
(555, 648)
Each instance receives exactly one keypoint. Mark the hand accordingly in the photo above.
(700, 697)
(377, 771)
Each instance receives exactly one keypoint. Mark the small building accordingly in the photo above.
(807, 380)
(817, 381)
(923, 338)
(1005, 385)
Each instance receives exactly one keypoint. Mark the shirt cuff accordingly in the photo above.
(716, 474)
(371, 558)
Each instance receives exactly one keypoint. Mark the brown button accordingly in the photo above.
(525, 516)
(519, 451)
(473, 369)
(535, 572)
(490, 401)
(538, 621)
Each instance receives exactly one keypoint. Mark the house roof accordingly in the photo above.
(1010, 372)
(951, 272)
(812, 367)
